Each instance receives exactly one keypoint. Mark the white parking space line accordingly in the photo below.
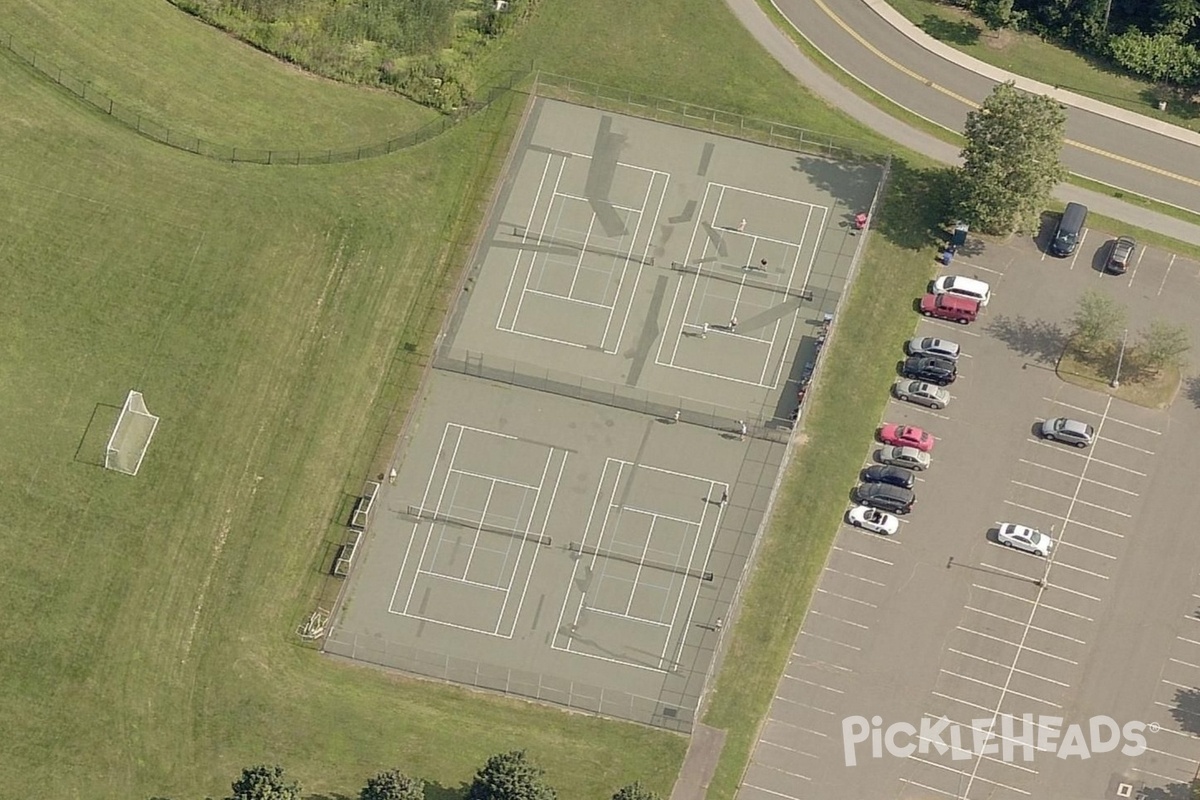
(1059, 587)
(1014, 644)
(802, 661)
(1074, 498)
(962, 772)
(990, 614)
(1075, 475)
(922, 409)
(1065, 565)
(1075, 452)
(771, 792)
(998, 688)
(1099, 414)
(814, 685)
(1030, 602)
(928, 788)
(1031, 627)
(1033, 579)
(830, 641)
(961, 329)
(864, 555)
(1188, 759)
(1137, 263)
(781, 772)
(855, 577)
(1079, 248)
(779, 746)
(1124, 444)
(1052, 515)
(847, 599)
(778, 721)
(802, 705)
(961, 702)
(875, 537)
(1189, 641)
(1185, 663)
(995, 734)
(1164, 280)
(1067, 613)
(1168, 778)
(1005, 666)
(838, 619)
(1074, 546)
(1178, 685)
(1164, 729)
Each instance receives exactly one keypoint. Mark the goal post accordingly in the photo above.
(131, 436)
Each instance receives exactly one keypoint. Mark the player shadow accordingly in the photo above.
(95, 435)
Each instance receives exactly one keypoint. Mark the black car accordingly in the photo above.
(885, 473)
(1119, 255)
(885, 497)
(930, 369)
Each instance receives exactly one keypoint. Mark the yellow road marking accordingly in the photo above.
(972, 104)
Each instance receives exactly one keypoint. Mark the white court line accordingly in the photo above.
(533, 255)
(717, 374)
(512, 276)
(575, 568)
(1002, 689)
(441, 497)
(493, 479)
(1014, 644)
(545, 519)
(1123, 444)
(1074, 497)
(1074, 452)
(855, 577)
(688, 257)
(629, 263)
(567, 299)
(792, 274)
(691, 523)
(1052, 515)
(863, 555)
(844, 597)
(456, 579)
(963, 772)
(625, 615)
(687, 623)
(830, 641)
(613, 205)
(1005, 666)
(1073, 475)
(838, 619)
(769, 196)
(1164, 280)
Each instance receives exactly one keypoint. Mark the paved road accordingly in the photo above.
(1170, 167)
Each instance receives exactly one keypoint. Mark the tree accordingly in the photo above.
(1095, 321)
(510, 776)
(393, 785)
(264, 783)
(1163, 344)
(1010, 163)
(997, 13)
(635, 791)
(1159, 57)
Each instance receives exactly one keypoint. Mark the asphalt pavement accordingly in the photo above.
(886, 52)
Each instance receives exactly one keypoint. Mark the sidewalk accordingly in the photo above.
(785, 52)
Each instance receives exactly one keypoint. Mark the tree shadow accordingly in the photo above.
(1038, 340)
(436, 791)
(1172, 791)
(1181, 103)
(1186, 710)
(1191, 388)
(329, 796)
(851, 183)
(960, 32)
(920, 205)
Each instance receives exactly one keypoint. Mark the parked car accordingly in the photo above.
(885, 473)
(950, 307)
(963, 286)
(929, 369)
(1024, 538)
(885, 497)
(921, 393)
(873, 520)
(931, 346)
(906, 436)
(1068, 431)
(1120, 254)
(907, 457)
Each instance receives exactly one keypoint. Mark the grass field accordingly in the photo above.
(260, 310)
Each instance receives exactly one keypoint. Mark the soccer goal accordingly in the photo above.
(131, 436)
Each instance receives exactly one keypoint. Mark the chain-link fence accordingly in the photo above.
(690, 115)
(253, 155)
(580, 387)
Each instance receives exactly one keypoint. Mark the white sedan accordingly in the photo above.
(871, 519)
(1024, 538)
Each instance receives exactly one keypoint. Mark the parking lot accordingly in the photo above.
(943, 629)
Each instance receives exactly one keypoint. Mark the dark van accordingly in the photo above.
(1070, 227)
(953, 307)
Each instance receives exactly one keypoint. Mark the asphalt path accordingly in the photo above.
(856, 37)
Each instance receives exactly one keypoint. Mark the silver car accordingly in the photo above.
(907, 457)
(921, 393)
(931, 346)
(1068, 431)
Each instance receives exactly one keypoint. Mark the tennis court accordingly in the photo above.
(579, 495)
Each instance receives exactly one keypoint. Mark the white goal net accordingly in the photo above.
(131, 436)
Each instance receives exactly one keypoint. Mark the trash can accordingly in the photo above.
(947, 257)
(959, 238)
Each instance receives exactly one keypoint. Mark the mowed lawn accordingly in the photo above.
(149, 648)
(259, 309)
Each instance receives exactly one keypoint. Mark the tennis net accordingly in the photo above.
(435, 516)
(743, 276)
(604, 552)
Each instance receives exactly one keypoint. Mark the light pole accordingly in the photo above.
(1107, 11)
(1116, 381)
